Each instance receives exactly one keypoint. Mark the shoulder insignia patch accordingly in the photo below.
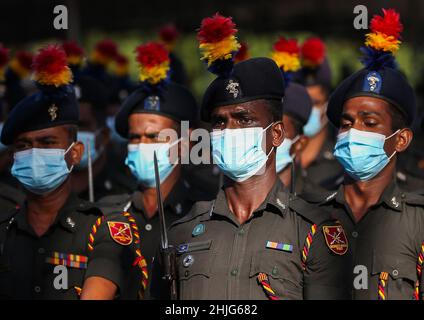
(336, 239)
(120, 232)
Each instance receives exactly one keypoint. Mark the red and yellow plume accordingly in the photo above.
(168, 35)
(21, 64)
(74, 52)
(243, 53)
(286, 54)
(51, 68)
(385, 32)
(218, 42)
(154, 64)
(121, 65)
(313, 52)
(104, 52)
(4, 59)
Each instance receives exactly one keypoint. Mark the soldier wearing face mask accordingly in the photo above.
(93, 246)
(254, 240)
(320, 170)
(373, 110)
(94, 133)
(155, 106)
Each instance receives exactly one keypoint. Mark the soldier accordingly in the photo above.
(320, 170)
(94, 133)
(57, 246)
(153, 107)
(373, 109)
(254, 241)
(297, 107)
(10, 197)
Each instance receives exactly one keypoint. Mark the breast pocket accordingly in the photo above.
(194, 270)
(398, 276)
(283, 272)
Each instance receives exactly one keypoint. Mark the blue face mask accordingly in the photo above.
(114, 136)
(140, 161)
(283, 157)
(89, 140)
(238, 152)
(313, 126)
(361, 153)
(41, 171)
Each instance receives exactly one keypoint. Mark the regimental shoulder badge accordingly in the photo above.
(336, 239)
(120, 232)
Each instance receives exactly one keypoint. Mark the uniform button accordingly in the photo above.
(241, 232)
(395, 273)
(148, 227)
(234, 272)
(41, 251)
(37, 289)
(274, 271)
(186, 273)
(355, 234)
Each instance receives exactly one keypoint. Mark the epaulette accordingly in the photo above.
(313, 213)
(315, 198)
(199, 208)
(115, 203)
(413, 199)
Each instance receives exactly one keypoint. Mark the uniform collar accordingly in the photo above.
(391, 197)
(66, 216)
(276, 201)
(174, 202)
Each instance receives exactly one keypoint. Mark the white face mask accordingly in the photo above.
(284, 158)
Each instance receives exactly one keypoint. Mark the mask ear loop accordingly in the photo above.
(394, 133)
(67, 150)
(264, 130)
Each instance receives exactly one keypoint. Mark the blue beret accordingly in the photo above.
(297, 103)
(174, 101)
(49, 107)
(252, 79)
(386, 83)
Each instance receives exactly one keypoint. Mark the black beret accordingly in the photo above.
(297, 103)
(252, 79)
(174, 101)
(49, 107)
(386, 83)
(90, 90)
(320, 75)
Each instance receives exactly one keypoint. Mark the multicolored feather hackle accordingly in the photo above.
(218, 43)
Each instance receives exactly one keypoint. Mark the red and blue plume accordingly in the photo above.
(286, 54)
(382, 43)
(21, 63)
(104, 52)
(313, 52)
(51, 67)
(74, 52)
(4, 59)
(154, 65)
(218, 44)
(168, 33)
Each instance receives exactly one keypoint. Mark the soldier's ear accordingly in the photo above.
(299, 145)
(278, 133)
(74, 155)
(403, 139)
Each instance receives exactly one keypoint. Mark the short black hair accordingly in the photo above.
(275, 108)
(298, 126)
